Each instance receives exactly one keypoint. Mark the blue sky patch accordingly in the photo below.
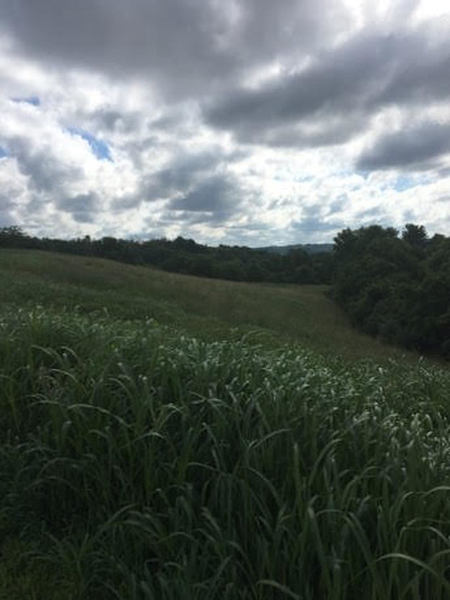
(3, 152)
(405, 183)
(99, 148)
(33, 100)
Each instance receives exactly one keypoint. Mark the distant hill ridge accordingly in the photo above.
(309, 248)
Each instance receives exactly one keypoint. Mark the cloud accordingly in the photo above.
(415, 148)
(13, 192)
(82, 207)
(226, 121)
(339, 91)
(370, 214)
(323, 131)
(310, 226)
(45, 172)
(182, 46)
(7, 206)
(33, 100)
(318, 217)
(180, 173)
(214, 199)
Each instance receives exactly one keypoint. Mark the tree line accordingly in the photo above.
(236, 263)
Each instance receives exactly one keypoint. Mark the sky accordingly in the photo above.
(248, 122)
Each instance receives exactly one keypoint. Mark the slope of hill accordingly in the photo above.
(185, 256)
(160, 441)
(208, 308)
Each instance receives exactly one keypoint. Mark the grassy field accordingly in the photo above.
(166, 437)
(211, 309)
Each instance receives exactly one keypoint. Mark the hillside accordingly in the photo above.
(287, 265)
(170, 437)
(204, 307)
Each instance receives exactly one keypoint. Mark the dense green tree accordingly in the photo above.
(415, 235)
(13, 237)
(396, 288)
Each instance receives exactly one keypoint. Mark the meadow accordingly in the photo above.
(169, 437)
(207, 308)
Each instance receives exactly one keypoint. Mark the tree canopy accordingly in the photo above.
(396, 288)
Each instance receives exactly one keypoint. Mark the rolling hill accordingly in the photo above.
(166, 437)
(204, 307)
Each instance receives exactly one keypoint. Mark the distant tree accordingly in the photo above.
(323, 267)
(415, 235)
(12, 236)
(202, 266)
(254, 272)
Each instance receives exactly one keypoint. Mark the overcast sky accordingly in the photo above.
(249, 122)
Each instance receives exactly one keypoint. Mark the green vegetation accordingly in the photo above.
(396, 288)
(203, 307)
(140, 459)
(235, 263)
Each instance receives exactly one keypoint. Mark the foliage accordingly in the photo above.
(394, 288)
(236, 263)
(138, 462)
(397, 289)
(207, 308)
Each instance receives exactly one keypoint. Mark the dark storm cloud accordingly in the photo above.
(414, 148)
(343, 87)
(184, 46)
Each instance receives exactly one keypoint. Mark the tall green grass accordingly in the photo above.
(138, 462)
